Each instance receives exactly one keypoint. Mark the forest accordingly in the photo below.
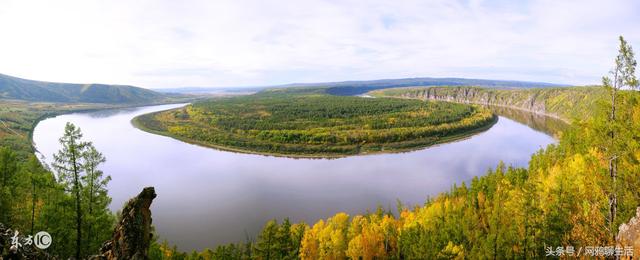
(70, 204)
(309, 124)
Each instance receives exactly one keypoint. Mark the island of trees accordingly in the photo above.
(310, 124)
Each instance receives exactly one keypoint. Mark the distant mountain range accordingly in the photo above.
(360, 87)
(31, 90)
(210, 90)
(41, 91)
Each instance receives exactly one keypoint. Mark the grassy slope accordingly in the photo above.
(564, 102)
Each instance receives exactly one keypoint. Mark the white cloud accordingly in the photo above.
(229, 43)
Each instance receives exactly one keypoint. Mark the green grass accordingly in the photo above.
(310, 124)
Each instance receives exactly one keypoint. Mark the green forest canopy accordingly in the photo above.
(310, 124)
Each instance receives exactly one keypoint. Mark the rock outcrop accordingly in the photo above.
(629, 234)
(561, 103)
(132, 235)
(482, 96)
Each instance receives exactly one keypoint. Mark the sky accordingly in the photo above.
(212, 43)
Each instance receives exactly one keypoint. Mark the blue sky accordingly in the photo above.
(163, 43)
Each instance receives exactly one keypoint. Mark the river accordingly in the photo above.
(207, 197)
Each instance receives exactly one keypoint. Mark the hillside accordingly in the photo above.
(565, 103)
(41, 91)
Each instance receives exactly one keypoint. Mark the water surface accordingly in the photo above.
(207, 197)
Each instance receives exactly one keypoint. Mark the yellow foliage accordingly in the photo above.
(309, 248)
(452, 251)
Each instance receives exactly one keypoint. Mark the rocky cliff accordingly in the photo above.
(564, 102)
(132, 235)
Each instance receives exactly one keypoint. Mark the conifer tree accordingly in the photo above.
(623, 77)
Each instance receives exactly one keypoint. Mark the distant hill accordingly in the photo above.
(40, 91)
(360, 87)
(349, 88)
(210, 90)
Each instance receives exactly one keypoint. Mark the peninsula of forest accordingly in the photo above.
(306, 122)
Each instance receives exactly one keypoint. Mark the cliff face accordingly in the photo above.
(485, 97)
(132, 236)
(563, 103)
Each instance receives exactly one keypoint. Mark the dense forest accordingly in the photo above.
(71, 204)
(310, 124)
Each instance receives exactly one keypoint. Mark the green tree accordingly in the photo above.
(284, 243)
(297, 233)
(623, 76)
(8, 170)
(267, 245)
(68, 164)
(98, 219)
(39, 179)
(81, 190)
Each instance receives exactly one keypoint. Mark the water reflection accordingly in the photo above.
(548, 125)
(207, 197)
(111, 112)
